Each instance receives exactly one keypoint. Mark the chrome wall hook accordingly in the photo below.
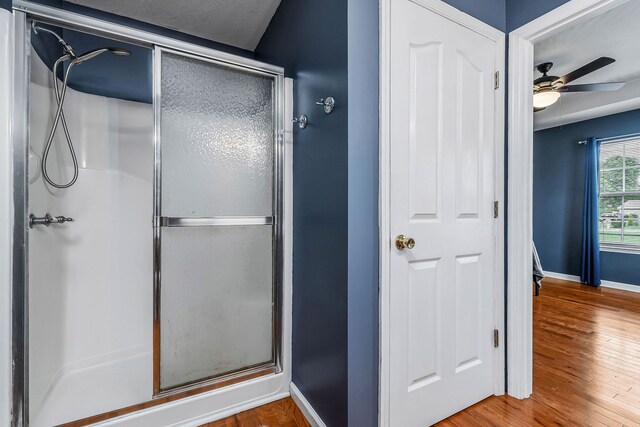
(302, 121)
(327, 103)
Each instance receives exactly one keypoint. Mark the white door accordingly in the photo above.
(442, 188)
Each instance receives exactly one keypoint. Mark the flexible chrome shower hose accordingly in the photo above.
(60, 95)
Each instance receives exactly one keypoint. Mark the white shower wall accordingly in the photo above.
(91, 282)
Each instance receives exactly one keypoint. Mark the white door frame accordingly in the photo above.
(520, 183)
(453, 14)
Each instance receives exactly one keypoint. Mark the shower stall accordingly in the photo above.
(152, 237)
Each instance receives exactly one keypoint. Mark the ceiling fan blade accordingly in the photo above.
(591, 87)
(584, 70)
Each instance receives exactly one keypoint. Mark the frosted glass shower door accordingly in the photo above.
(216, 222)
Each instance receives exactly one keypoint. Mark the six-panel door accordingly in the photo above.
(442, 191)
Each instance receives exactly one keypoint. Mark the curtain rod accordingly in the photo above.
(613, 138)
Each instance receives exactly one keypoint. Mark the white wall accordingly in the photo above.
(91, 282)
(6, 221)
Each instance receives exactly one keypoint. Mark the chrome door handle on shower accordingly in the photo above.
(47, 220)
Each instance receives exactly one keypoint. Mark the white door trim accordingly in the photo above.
(520, 185)
(486, 30)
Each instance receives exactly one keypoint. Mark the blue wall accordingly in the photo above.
(492, 12)
(309, 38)
(320, 60)
(520, 12)
(127, 78)
(5, 4)
(46, 45)
(124, 77)
(335, 350)
(363, 267)
(558, 174)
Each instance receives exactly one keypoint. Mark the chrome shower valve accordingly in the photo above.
(47, 220)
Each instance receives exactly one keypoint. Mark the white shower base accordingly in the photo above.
(78, 392)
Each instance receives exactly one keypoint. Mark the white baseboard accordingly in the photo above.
(620, 286)
(305, 407)
(604, 283)
(230, 411)
(561, 276)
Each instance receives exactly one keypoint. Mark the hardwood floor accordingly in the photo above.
(283, 412)
(586, 363)
(586, 368)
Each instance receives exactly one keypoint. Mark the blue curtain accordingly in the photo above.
(590, 273)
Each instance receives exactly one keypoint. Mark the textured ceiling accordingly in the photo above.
(615, 33)
(239, 23)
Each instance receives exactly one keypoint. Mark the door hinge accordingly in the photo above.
(496, 80)
(496, 338)
(495, 209)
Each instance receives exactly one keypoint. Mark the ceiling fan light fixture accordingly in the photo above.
(544, 99)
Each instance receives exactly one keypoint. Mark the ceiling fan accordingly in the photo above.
(547, 89)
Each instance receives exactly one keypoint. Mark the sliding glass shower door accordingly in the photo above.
(216, 222)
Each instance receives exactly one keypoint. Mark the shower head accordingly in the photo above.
(93, 53)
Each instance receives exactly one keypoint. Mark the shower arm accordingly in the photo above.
(68, 49)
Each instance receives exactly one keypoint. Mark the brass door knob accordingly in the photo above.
(403, 242)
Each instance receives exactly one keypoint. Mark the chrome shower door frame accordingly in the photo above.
(159, 221)
(25, 11)
(20, 252)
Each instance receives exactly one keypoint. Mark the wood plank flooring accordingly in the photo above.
(586, 368)
(586, 363)
(283, 412)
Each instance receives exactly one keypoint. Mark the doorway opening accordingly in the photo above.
(549, 166)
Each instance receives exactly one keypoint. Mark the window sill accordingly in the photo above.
(623, 249)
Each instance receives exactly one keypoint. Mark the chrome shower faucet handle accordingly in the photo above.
(47, 220)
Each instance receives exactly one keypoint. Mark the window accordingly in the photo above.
(620, 194)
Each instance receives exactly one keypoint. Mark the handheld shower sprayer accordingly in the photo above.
(95, 52)
(60, 95)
